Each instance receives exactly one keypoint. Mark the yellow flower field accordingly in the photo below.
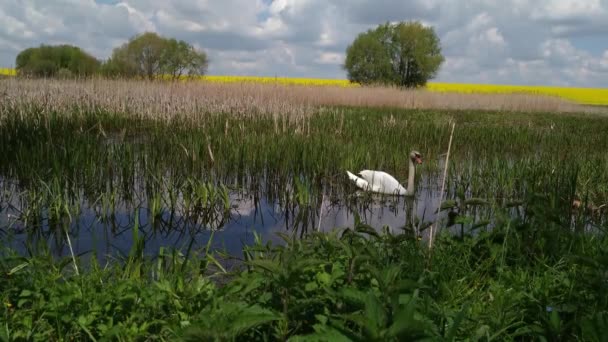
(281, 80)
(8, 72)
(594, 96)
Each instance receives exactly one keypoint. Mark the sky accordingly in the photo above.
(538, 42)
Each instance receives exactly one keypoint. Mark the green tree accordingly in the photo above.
(120, 65)
(149, 55)
(406, 54)
(48, 60)
(181, 58)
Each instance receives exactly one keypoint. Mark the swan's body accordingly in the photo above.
(382, 182)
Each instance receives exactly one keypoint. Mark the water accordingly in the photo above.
(111, 233)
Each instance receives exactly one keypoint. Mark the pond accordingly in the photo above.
(109, 232)
(100, 177)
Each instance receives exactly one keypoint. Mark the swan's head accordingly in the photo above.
(416, 157)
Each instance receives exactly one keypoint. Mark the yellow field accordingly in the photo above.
(281, 80)
(594, 96)
(8, 72)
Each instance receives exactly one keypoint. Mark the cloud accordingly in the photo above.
(558, 42)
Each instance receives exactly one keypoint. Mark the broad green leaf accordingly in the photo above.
(267, 265)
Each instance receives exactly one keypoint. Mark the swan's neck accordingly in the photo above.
(411, 176)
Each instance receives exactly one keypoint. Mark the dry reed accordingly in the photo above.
(165, 101)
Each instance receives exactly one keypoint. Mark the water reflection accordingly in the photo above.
(109, 232)
(106, 225)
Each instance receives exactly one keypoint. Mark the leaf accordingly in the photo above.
(83, 327)
(555, 321)
(228, 320)
(268, 265)
(406, 285)
(18, 268)
(252, 284)
(25, 293)
(480, 224)
(216, 263)
(461, 219)
(476, 201)
(374, 314)
(324, 278)
(404, 321)
(482, 332)
(311, 286)
(306, 263)
(353, 295)
(449, 204)
(451, 334)
(366, 229)
(323, 334)
(249, 317)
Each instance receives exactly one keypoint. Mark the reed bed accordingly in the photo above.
(586, 96)
(166, 100)
(279, 80)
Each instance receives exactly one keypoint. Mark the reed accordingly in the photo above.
(190, 100)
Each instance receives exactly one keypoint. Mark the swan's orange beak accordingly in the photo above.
(419, 160)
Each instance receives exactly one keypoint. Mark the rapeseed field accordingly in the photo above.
(591, 96)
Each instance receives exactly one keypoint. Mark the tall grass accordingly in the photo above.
(189, 100)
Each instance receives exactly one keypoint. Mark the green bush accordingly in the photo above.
(56, 61)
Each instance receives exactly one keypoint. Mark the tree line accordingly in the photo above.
(147, 55)
(405, 54)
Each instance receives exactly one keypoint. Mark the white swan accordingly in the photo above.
(382, 182)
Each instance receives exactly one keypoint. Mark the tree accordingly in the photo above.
(181, 58)
(406, 54)
(150, 55)
(47, 61)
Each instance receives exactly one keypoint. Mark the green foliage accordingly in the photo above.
(149, 55)
(181, 58)
(406, 54)
(350, 285)
(64, 61)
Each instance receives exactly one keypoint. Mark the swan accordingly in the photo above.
(382, 182)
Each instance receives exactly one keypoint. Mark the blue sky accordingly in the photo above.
(552, 42)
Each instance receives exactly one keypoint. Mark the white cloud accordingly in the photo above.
(567, 9)
(330, 58)
(514, 41)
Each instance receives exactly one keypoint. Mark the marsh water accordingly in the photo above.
(229, 179)
(229, 217)
(111, 233)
